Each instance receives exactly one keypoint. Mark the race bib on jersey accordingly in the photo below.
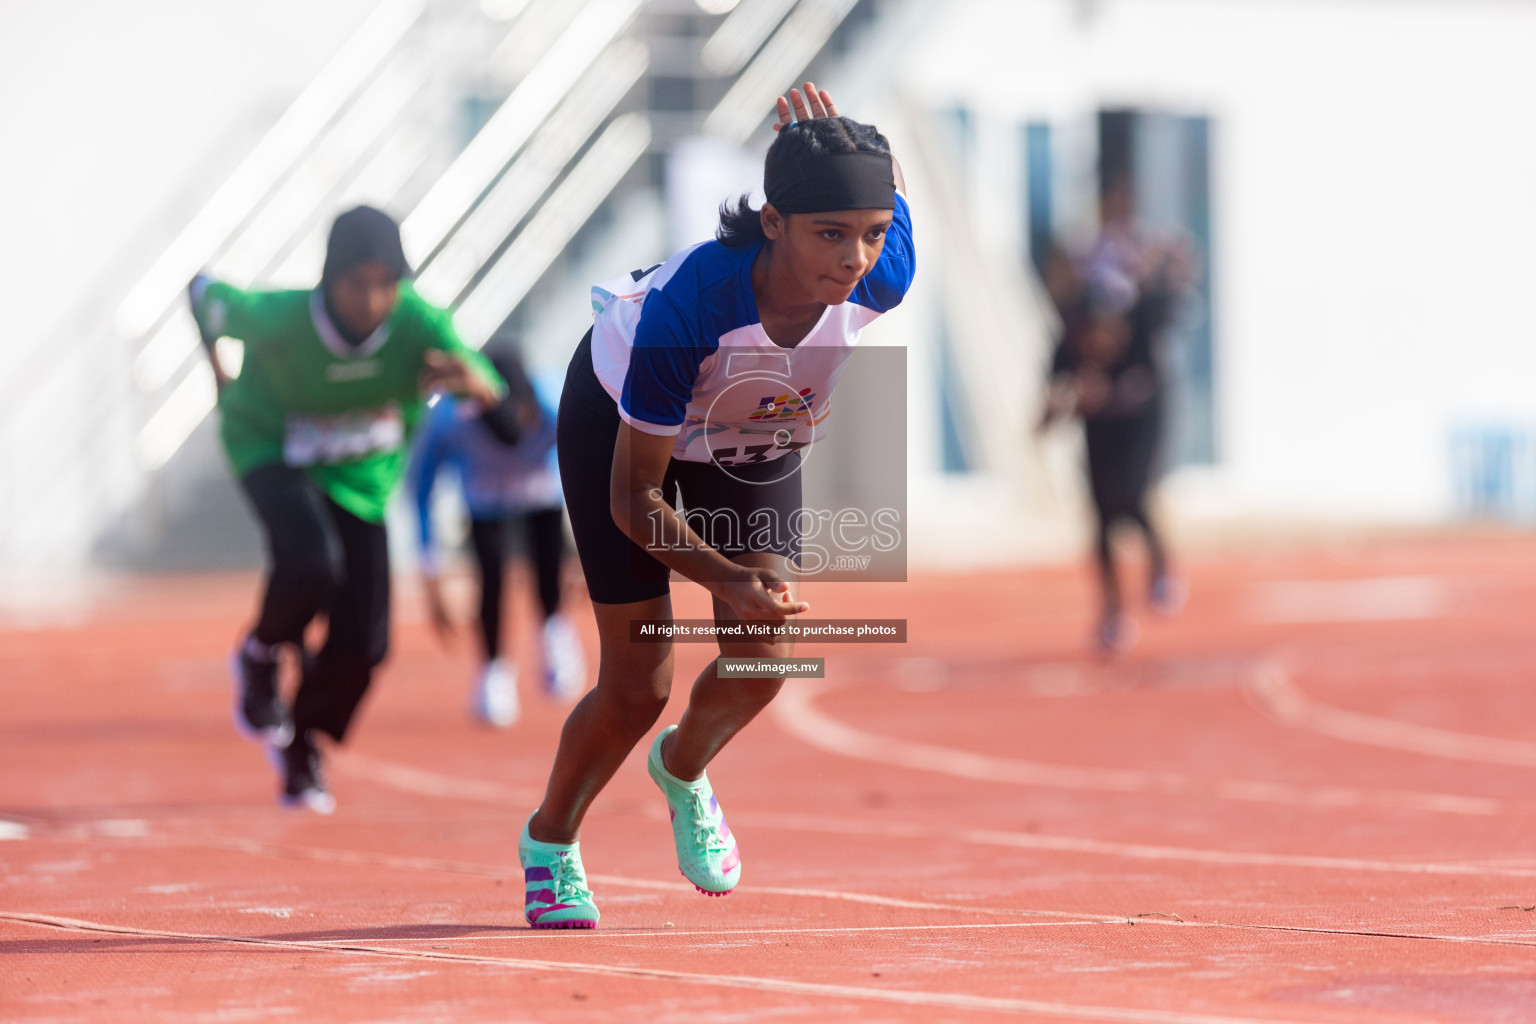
(746, 427)
(321, 440)
(765, 404)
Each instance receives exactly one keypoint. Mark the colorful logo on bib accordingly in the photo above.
(786, 406)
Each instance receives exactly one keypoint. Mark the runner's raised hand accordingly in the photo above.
(813, 103)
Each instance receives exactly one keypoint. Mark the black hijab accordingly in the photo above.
(361, 235)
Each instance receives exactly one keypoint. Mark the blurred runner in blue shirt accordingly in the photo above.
(505, 462)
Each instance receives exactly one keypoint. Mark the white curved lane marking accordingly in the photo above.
(408, 779)
(1382, 599)
(1509, 867)
(394, 861)
(796, 711)
(1138, 851)
(1078, 921)
(950, 1000)
(1284, 701)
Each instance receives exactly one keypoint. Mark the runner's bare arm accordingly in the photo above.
(195, 289)
(639, 509)
(444, 371)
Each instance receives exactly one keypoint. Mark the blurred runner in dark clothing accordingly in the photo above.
(1115, 302)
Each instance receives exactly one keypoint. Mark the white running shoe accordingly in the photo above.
(565, 666)
(1117, 633)
(1167, 594)
(495, 701)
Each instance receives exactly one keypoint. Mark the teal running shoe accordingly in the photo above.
(706, 850)
(557, 893)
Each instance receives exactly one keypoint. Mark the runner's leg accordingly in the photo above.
(720, 708)
(626, 583)
(305, 561)
(1157, 556)
(488, 537)
(1104, 559)
(546, 546)
(357, 638)
(633, 683)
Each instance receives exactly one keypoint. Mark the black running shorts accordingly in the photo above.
(736, 511)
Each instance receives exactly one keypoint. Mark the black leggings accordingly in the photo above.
(322, 560)
(1122, 454)
(721, 505)
(545, 533)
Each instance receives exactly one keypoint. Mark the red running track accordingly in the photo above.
(1308, 798)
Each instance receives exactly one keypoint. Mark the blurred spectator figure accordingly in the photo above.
(505, 461)
(1115, 300)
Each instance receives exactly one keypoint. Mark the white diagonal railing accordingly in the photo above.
(274, 156)
(434, 219)
(517, 269)
(486, 230)
(252, 249)
(541, 90)
(738, 37)
(786, 54)
(515, 193)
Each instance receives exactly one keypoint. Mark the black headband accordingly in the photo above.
(858, 180)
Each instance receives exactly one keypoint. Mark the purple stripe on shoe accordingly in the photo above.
(714, 804)
(541, 896)
(534, 915)
(538, 875)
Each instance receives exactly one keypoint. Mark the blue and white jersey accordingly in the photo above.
(681, 349)
(499, 481)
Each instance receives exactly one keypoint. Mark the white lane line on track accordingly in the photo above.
(795, 710)
(1283, 701)
(1135, 851)
(1061, 916)
(847, 897)
(421, 782)
(1109, 848)
(1380, 599)
(957, 1001)
(520, 934)
(1081, 920)
(256, 848)
(13, 830)
(1361, 933)
(896, 830)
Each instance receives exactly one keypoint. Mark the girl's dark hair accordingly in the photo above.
(788, 158)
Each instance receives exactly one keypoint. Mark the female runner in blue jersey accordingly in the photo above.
(504, 458)
(664, 404)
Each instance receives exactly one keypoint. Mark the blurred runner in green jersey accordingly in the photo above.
(332, 382)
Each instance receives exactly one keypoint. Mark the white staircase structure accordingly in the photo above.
(110, 437)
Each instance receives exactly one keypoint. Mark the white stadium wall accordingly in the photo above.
(120, 119)
(1371, 169)
(1372, 207)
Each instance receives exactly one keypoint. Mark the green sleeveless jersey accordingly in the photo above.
(305, 397)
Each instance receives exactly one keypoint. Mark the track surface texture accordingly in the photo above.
(1310, 797)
